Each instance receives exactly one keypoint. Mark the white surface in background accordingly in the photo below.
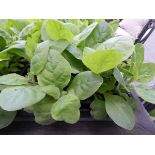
(133, 26)
(121, 32)
(149, 46)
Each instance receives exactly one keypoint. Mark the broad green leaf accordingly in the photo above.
(44, 35)
(16, 49)
(42, 111)
(25, 31)
(147, 94)
(6, 118)
(14, 26)
(4, 56)
(59, 45)
(18, 97)
(75, 51)
(88, 50)
(84, 34)
(119, 77)
(122, 44)
(76, 64)
(114, 24)
(146, 73)
(31, 43)
(98, 110)
(107, 85)
(73, 28)
(137, 59)
(5, 38)
(125, 71)
(79, 23)
(39, 59)
(138, 55)
(102, 32)
(57, 31)
(13, 79)
(120, 111)
(102, 60)
(5, 35)
(51, 90)
(66, 109)
(57, 71)
(2, 43)
(85, 84)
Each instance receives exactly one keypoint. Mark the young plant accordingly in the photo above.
(61, 62)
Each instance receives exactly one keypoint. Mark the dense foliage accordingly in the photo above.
(48, 66)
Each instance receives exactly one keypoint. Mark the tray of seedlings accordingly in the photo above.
(74, 70)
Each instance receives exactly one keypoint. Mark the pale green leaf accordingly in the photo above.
(120, 111)
(13, 79)
(39, 59)
(57, 71)
(6, 118)
(122, 44)
(57, 31)
(98, 110)
(51, 90)
(18, 97)
(85, 84)
(102, 60)
(147, 94)
(66, 109)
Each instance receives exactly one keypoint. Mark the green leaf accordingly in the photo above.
(85, 84)
(42, 111)
(73, 28)
(102, 32)
(81, 24)
(147, 94)
(66, 109)
(120, 111)
(84, 34)
(2, 43)
(98, 110)
(76, 64)
(13, 79)
(31, 44)
(57, 71)
(16, 49)
(5, 35)
(5, 38)
(15, 98)
(107, 85)
(51, 90)
(119, 77)
(44, 35)
(114, 24)
(59, 45)
(4, 56)
(146, 73)
(25, 31)
(39, 59)
(102, 60)
(75, 51)
(137, 59)
(122, 44)
(6, 118)
(57, 31)
(138, 55)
